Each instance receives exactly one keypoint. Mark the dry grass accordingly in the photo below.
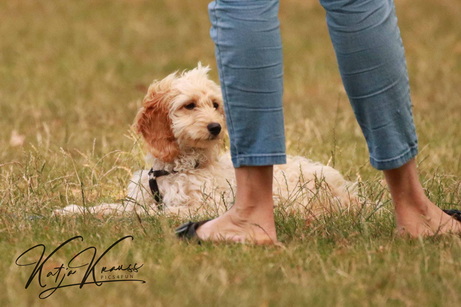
(72, 75)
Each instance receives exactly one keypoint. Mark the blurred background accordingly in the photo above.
(73, 73)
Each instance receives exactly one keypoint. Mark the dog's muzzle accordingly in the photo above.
(214, 128)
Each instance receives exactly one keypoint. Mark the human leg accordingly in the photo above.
(372, 64)
(249, 57)
(371, 59)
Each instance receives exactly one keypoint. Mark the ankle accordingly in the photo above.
(405, 187)
(251, 213)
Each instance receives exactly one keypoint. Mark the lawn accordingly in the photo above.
(72, 76)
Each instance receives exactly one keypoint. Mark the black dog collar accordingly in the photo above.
(153, 175)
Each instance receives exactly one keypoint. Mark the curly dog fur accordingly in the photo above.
(183, 125)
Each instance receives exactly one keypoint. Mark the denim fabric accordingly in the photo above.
(371, 60)
(249, 56)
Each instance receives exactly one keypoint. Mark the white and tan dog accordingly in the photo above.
(183, 125)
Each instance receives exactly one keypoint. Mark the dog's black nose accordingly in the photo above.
(214, 128)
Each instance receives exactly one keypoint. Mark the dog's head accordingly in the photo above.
(181, 111)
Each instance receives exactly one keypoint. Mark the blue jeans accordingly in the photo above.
(372, 63)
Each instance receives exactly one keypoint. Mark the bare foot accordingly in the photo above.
(251, 219)
(415, 214)
(234, 226)
(424, 220)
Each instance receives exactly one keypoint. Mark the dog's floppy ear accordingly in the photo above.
(154, 123)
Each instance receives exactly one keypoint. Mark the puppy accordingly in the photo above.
(183, 125)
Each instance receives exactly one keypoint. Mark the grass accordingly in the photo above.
(72, 75)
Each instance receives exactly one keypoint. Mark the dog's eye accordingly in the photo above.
(215, 105)
(190, 106)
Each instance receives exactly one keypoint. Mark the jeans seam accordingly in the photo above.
(230, 125)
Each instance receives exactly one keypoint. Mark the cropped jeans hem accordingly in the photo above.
(395, 162)
(258, 159)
